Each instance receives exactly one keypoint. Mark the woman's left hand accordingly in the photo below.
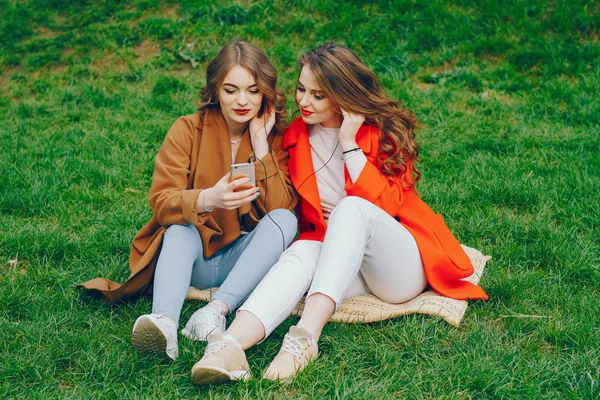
(261, 127)
(350, 126)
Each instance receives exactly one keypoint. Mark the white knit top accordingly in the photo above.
(330, 179)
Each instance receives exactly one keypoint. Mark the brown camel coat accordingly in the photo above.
(195, 154)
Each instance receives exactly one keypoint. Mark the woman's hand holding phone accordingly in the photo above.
(228, 194)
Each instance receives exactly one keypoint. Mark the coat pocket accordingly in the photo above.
(450, 244)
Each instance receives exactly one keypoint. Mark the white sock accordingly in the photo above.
(217, 306)
(233, 340)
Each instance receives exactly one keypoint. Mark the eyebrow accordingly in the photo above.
(232, 85)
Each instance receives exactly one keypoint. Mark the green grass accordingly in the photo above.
(507, 96)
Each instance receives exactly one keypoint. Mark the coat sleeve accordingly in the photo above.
(170, 199)
(374, 185)
(273, 179)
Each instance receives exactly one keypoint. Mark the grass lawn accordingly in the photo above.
(508, 97)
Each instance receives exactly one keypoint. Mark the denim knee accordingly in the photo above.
(286, 220)
(182, 234)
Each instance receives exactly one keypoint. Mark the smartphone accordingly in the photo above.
(241, 171)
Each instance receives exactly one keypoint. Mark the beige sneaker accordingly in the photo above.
(223, 361)
(298, 349)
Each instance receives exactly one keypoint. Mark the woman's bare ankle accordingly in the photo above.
(313, 330)
(247, 329)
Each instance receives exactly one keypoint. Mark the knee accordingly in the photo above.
(182, 234)
(301, 259)
(286, 220)
(350, 205)
(352, 202)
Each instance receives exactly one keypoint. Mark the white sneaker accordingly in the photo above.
(157, 334)
(204, 322)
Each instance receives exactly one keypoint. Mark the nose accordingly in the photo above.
(242, 100)
(303, 101)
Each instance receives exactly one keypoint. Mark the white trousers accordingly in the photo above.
(365, 251)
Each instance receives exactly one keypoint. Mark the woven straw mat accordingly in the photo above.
(368, 308)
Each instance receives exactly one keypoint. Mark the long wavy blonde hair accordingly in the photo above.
(349, 83)
(254, 60)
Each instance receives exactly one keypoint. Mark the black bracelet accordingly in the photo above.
(351, 150)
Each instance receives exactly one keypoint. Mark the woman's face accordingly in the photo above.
(314, 106)
(239, 97)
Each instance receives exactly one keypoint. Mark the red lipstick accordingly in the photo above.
(307, 113)
(241, 111)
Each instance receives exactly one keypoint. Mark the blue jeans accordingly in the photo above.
(237, 268)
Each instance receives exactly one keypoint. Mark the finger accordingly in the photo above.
(243, 200)
(232, 204)
(241, 194)
(246, 193)
(354, 117)
(238, 182)
(225, 178)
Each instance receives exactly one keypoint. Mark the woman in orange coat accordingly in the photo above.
(363, 228)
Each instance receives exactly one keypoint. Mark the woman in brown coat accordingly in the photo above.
(208, 230)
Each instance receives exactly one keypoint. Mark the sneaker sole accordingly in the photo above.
(214, 375)
(147, 338)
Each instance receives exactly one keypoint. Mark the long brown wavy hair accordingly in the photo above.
(349, 83)
(254, 60)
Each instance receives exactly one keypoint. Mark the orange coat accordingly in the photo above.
(444, 260)
(195, 154)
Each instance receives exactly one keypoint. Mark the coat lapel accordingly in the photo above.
(214, 151)
(300, 164)
(245, 149)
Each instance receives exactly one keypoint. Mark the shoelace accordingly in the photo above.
(214, 317)
(215, 346)
(295, 346)
(221, 318)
